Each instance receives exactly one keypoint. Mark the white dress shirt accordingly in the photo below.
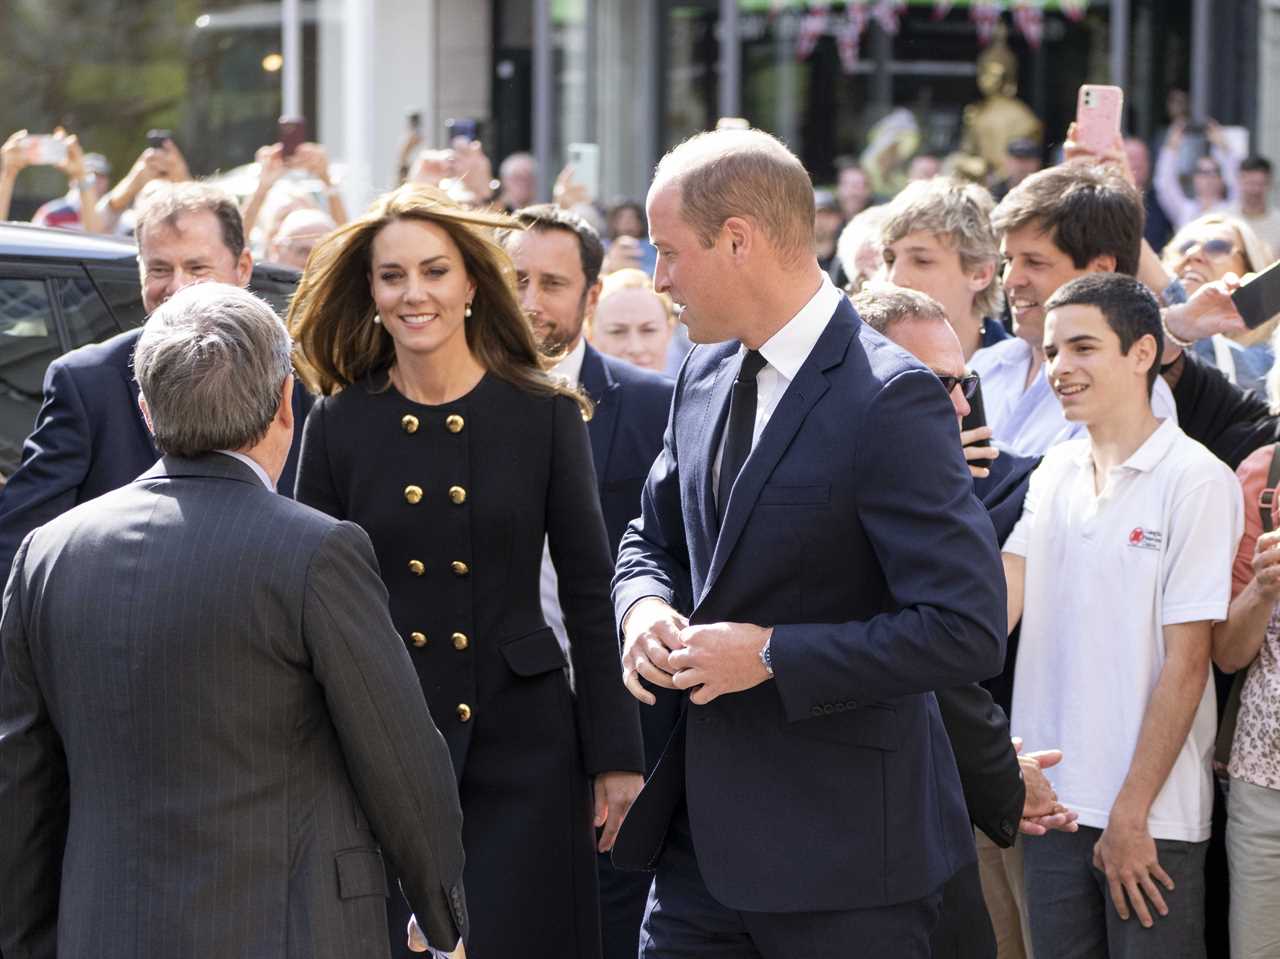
(250, 462)
(784, 354)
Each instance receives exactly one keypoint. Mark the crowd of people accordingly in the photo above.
(931, 564)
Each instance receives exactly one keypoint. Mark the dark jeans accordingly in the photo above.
(1072, 916)
(684, 921)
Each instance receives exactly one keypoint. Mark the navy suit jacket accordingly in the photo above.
(852, 531)
(90, 438)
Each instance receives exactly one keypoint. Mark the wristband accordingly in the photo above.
(1173, 337)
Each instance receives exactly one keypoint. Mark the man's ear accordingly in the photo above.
(593, 298)
(741, 235)
(244, 267)
(982, 278)
(284, 412)
(1144, 353)
(1102, 263)
(146, 414)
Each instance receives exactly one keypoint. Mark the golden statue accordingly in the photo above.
(1000, 117)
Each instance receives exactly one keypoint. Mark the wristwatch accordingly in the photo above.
(766, 656)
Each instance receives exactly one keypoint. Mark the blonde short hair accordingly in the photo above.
(633, 279)
(959, 215)
(744, 173)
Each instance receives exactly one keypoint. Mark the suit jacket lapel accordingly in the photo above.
(800, 397)
(602, 389)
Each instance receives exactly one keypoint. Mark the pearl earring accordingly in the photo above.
(377, 319)
(467, 311)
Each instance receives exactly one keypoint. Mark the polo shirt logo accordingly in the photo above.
(1146, 538)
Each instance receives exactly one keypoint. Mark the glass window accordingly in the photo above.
(28, 344)
(86, 316)
(120, 290)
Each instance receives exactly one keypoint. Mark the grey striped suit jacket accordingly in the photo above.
(208, 724)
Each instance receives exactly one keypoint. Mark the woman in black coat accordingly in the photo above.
(439, 433)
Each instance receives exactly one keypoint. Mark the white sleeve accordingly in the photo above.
(1173, 201)
(1204, 529)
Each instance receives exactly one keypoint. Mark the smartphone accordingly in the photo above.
(1259, 300)
(414, 120)
(156, 139)
(733, 123)
(977, 414)
(1099, 110)
(585, 160)
(468, 128)
(44, 149)
(293, 133)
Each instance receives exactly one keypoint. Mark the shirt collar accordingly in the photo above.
(569, 368)
(250, 462)
(1147, 456)
(787, 349)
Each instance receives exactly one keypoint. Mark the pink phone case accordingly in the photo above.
(1098, 113)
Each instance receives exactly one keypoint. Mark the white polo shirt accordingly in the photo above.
(1104, 574)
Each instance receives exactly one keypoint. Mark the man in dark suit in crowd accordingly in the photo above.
(558, 257)
(1004, 793)
(809, 564)
(208, 723)
(89, 437)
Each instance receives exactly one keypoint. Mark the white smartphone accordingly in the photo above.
(44, 149)
(585, 160)
(1099, 111)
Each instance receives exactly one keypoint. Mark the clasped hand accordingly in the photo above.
(711, 660)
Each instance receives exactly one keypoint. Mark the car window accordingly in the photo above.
(28, 344)
(84, 314)
(124, 298)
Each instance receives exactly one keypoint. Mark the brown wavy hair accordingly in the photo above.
(331, 314)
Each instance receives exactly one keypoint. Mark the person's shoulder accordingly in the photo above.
(636, 377)
(1253, 469)
(1008, 350)
(114, 352)
(1194, 463)
(1064, 457)
(886, 360)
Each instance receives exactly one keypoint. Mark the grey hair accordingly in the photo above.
(211, 362)
(881, 305)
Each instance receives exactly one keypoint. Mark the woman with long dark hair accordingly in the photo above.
(439, 432)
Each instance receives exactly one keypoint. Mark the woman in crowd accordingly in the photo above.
(1207, 249)
(632, 322)
(440, 434)
(1249, 640)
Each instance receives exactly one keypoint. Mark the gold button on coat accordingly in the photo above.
(416, 567)
(459, 568)
(418, 639)
(457, 494)
(464, 712)
(409, 423)
(454, 423)
(413, 494)
(460, 641)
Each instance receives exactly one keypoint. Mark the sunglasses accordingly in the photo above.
(1216, 249)
(968, 384)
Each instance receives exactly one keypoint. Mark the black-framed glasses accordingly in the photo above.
(1215, 249)
(968, 384)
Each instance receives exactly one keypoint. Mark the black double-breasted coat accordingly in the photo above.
(457, 500)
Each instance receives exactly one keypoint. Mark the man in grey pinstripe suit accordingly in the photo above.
(208, 724)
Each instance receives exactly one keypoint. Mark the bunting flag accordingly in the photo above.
(986, 14)
(812, 26)
(1029, 19)
(849, 34)
(886, 13)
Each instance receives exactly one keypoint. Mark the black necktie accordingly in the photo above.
(740, 428)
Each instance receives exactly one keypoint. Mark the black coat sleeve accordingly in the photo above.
(989, 771)
(608, 717)
(1212, 410)
(315, 486)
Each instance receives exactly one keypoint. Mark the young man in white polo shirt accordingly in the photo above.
(1118, 568)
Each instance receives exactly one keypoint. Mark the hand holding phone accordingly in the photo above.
(156, 139)
(293, 133)
(585, 160)
(45, 149)
(1257, 300)
(1099, 111)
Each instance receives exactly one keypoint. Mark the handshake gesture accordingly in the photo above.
(711, 660)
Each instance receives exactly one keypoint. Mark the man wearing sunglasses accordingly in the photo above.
(1005, 794)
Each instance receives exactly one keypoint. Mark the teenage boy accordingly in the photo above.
(1119, 567)
(1056, 225)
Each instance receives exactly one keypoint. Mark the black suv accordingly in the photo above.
(61, 289)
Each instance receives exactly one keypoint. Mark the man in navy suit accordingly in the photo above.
(558, 257)
(89, 435)
(808, 564)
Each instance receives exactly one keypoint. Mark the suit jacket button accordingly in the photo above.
(460, 641)
(454, 423)
(418, 639)
(457, 495)
(464, 712)
(459, 568)
(1006, 827)
(828, 709)
(815, 710)
(416, 567)
(413, 495)
(840, 707)
(851, 704)
(409, 423)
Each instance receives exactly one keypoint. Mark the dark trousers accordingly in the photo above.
(964, 928)
(623, 896)
(1072, 916)
(684, 921)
